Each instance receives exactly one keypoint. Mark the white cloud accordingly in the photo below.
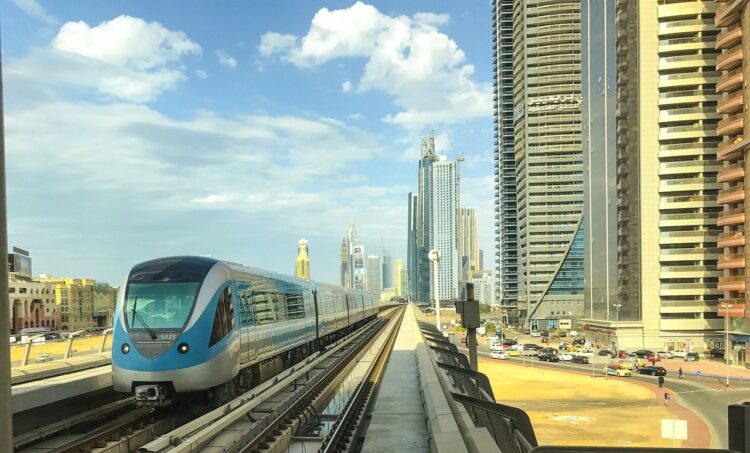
(201, 74)
(225, 59)
(357, 116)
(271, 43)
(406, 57)
(346, 86)
(35, 10)
(125, 58)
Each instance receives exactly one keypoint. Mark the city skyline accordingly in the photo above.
(118, 169)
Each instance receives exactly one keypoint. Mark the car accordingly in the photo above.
(547, 357)
(565, 356)
(653, 358)
(563, 345)
(692, 357)
(587, 352)
(496, 346)
(681, 353)
(643, 353)
(536, 334)
(632, 357)
(545, 333)
(514, 353)
(545, 339)
(717, 352)
(605, 352)
(614, 370)
(621, 354)
(563, 335)
(665, 354)
(549, 350)
(509, 342)
(41, 358)
(580, 359)
(573, 333)
(653, 370)
(529, 346)
(499, 355)
(578, 341)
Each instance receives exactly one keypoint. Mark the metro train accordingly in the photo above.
(193, 324)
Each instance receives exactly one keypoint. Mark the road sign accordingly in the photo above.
(674, 429)
(698, 373)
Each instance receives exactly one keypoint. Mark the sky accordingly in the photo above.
(139, 129)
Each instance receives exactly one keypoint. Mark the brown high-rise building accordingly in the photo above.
(733, 18)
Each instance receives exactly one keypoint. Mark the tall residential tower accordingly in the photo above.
(302, 269)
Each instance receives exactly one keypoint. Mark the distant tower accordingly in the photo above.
(345, 274)
(387, 269)
(303, 260)
(373, 280)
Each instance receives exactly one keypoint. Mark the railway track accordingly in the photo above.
(268, 417)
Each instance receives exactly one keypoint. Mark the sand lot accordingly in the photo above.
(575, 409)
(57, 348)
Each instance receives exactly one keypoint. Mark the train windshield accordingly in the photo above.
(159, 305)
(160, 294)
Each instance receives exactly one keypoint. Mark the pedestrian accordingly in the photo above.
(653, 361)
(661, 381)
(666, 398)
(679, 373)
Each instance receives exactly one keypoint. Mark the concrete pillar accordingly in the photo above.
(745, 24)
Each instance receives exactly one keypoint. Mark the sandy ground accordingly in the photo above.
(575, 409)
(57, 348)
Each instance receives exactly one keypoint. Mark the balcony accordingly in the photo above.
(729, 59)
(731, 126)
(732, 261)
(730, 37)
(730, 81)
(732, 239)
(731, 195)
(731, 217)
(731, 103)
(730, 173)
(731, 150)
(728, 13)
(733, 283)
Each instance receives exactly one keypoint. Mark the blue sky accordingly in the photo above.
(142, 129)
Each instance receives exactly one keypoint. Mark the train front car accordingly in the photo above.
(174, 330)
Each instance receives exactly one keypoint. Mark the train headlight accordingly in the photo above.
(183, 348)
(125, 348)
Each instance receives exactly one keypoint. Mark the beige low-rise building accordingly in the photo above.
(31, 304)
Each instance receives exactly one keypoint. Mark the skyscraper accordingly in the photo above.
(373, 275)
(549, 170)
(423, 226)
(346, 277)
(400, 274)
(468, 249)
(303, 260)
(506, 211)
(411, 246)
(387, 269)
(734, 42)
(665, 174)
(444, 207)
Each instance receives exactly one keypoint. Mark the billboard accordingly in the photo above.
(19, 264)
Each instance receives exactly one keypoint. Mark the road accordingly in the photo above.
(709, 403)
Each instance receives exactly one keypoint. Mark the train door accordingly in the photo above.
(317, 320)
(247, 320)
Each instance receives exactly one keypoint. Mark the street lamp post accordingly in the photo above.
(434, 256)
(726, 308)
(617, 327)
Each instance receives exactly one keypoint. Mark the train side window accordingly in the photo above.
(263, 305)
(245, 298)
(295, 304)
(279, 305)
(224, 317)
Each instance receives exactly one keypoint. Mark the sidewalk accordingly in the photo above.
(707, 367)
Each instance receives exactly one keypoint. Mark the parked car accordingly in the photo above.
(499, 355)
(614, 370)
(548, 357)
(653, 358)
(563, 346)
(717, 352)
(692, 357)
(643, 353)
(536, 334)
(509, 342)
(562, 334)
(514, 352)
(653, 370)
(586, 352)
(41, 358)
(621, 354)
(605, 352)
(531, 346)
(681, 353)
(632, 357)
(545, 339)
(665, 354)
(549, 350)
(573, 333)
(578, 341)
(580, 359)
(565, 356)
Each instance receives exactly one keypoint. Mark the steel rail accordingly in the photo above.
(348, 425)
(303, 401)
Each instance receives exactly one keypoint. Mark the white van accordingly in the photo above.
(496, 345)
(681, 353)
